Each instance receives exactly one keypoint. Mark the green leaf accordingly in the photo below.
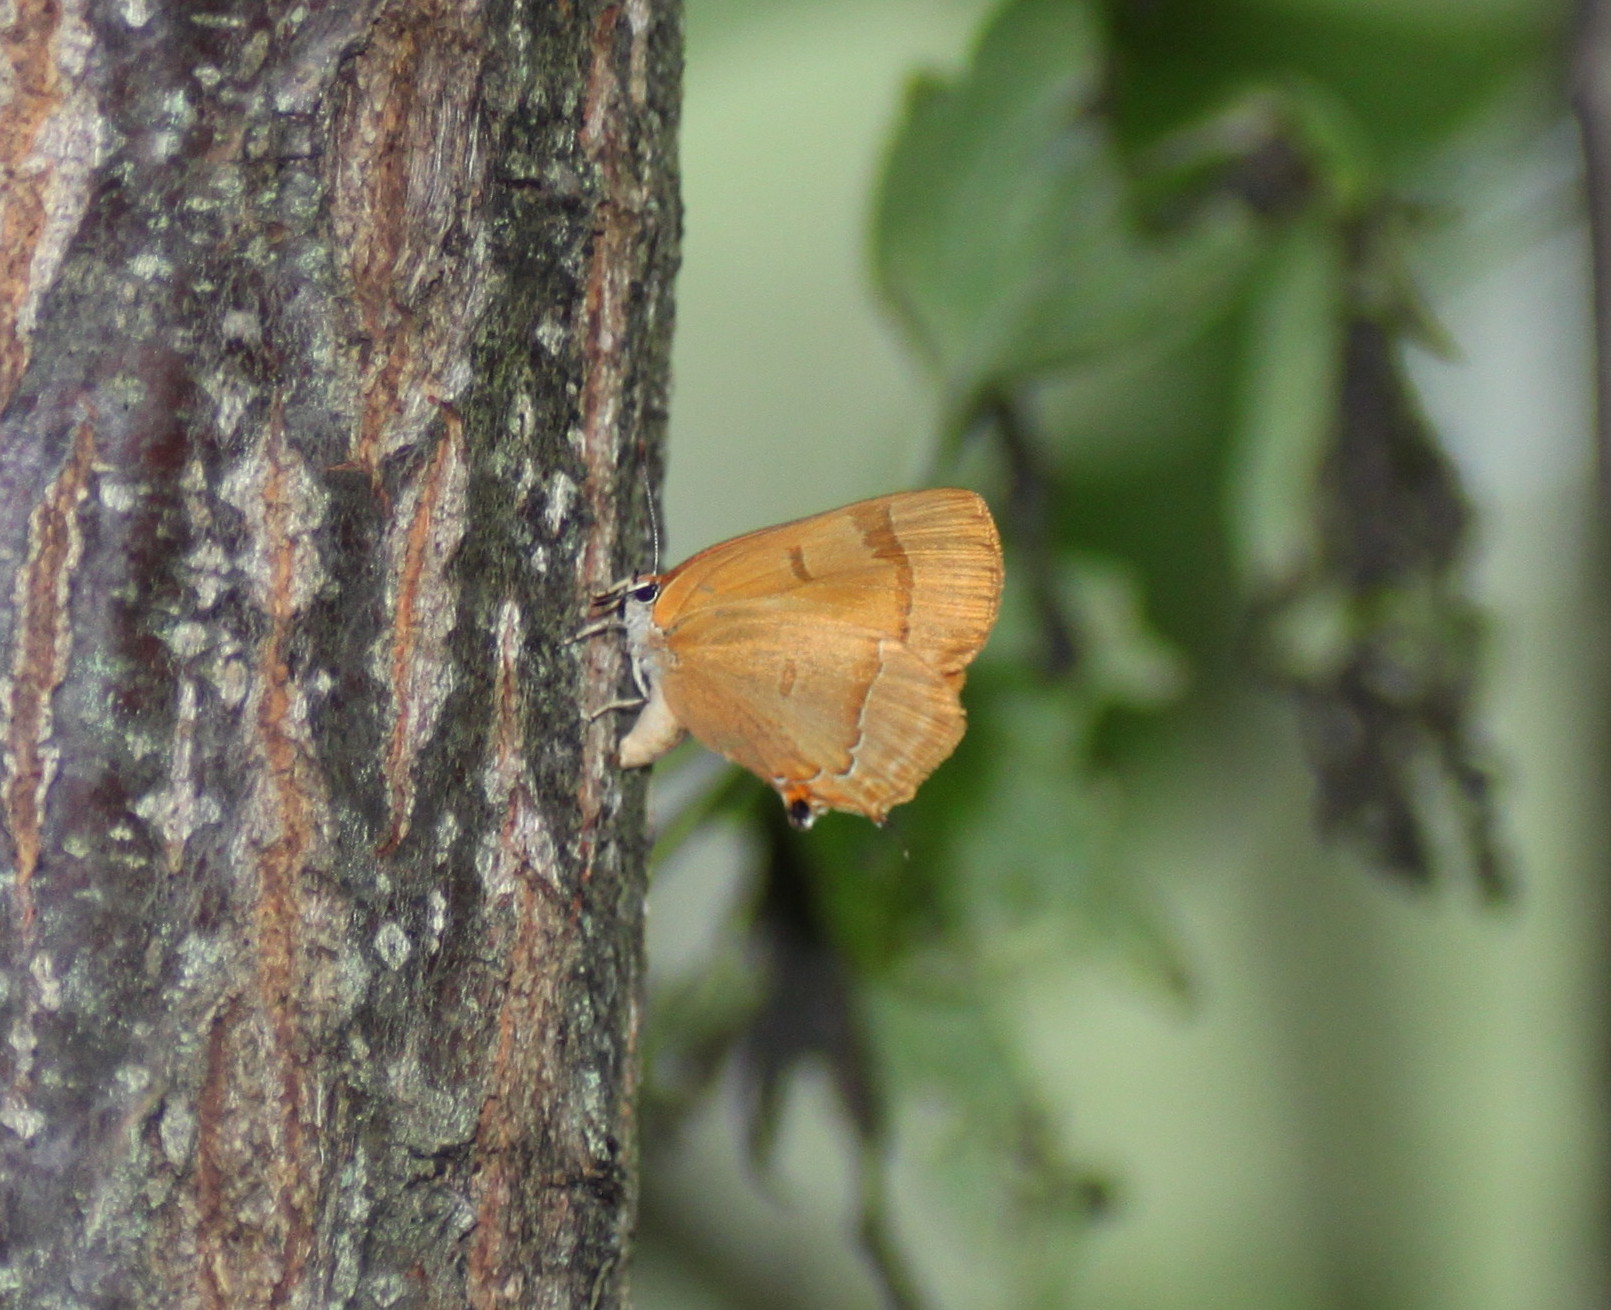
(1289, 403)
(1038, 869)
(978, 1140)
(1004, 237)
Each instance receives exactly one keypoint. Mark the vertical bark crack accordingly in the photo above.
(39, 659)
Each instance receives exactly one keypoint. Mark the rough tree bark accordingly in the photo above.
(333, 347)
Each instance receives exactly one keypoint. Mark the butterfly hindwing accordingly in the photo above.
(855, 718)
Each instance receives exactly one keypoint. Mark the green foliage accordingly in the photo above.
(1003, 236)
(1058, 248)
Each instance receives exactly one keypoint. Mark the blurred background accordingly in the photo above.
(1112, 1025)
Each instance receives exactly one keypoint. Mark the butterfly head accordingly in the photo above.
(628, 607)
(640, 590)
(637, 614)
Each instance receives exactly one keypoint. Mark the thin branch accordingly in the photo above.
(1029, 526)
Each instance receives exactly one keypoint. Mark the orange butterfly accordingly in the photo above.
(824, 655)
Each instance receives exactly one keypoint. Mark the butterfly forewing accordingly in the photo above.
(921, 566)
(954, 557)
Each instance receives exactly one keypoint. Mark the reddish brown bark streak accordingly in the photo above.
(407, 175)
(518, 1094)
(27, 46)
(490, 1186)
(280, 868)
(424, 560)
(408, 170)
(212, 1216)
(39, 661)
(259, 1172)
(619, 263)
(43, 644)
(615, 265)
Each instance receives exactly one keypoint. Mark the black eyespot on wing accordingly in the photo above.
(800, 814)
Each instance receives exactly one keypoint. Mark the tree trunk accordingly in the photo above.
(333, 347)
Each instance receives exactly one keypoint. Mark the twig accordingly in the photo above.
(1028, 524)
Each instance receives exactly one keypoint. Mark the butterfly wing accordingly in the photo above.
(921, 567)
(826, 711)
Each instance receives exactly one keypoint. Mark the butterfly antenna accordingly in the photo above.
(654, 524)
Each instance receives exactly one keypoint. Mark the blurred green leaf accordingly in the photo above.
(1409, 72)
(1289, 402)
(1037, 871)
(1286, 148)
(1126, 661)
(977, 1126)
(1003, 236)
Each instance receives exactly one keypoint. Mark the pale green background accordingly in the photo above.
(1368, 1079)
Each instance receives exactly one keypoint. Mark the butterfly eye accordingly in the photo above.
(645, 593)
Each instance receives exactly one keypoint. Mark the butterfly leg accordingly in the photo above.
(630, 703)
(611, 624)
